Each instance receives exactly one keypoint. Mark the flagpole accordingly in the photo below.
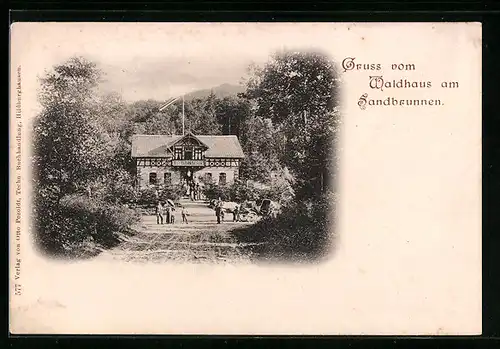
(183, 115)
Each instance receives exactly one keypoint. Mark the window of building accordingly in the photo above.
(222, 178)
(178, 153)
(208, 176)
(197, 154)
(152, 178)
(167, 178)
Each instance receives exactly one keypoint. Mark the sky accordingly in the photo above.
(162, 60)
(161, 78)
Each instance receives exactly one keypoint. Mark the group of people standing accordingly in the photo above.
(165, 214)
(192, 190)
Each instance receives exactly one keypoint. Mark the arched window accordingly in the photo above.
(222, 178)
(152, 178)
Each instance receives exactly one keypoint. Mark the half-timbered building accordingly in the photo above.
(174, 159)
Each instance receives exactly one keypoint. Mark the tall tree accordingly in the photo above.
(293, 82)
(298, 91)
(149, 119)
(71, 148)
(201, 117)
(141, 111)
(232, 112)
(113, 112)
(260, 146)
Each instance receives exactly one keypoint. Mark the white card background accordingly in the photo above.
(408, 259)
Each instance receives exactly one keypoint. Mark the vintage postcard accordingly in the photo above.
(245, 178)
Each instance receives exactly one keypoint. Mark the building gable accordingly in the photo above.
(188, 140)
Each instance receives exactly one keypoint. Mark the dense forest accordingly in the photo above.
(287, 120)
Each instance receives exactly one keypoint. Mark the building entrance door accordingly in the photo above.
(187, 176)
(187, 180)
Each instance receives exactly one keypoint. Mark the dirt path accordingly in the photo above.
(201, 240)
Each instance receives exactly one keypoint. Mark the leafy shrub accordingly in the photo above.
(80, 220)
(215, 191)
(301, 232)
(117, 187)
(239, 191)
(244, 191)
(147, 196)
(115, 192)
(279, 192)
(150, 195)
(171, 192)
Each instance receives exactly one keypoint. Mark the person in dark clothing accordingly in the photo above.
(191, 191)
(172, 216)
(184, 214)
(159, 213)
(218, 212)
(168, 211)
(197, 191)
(236, 214)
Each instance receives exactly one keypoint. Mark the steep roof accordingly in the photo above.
(157, 145)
